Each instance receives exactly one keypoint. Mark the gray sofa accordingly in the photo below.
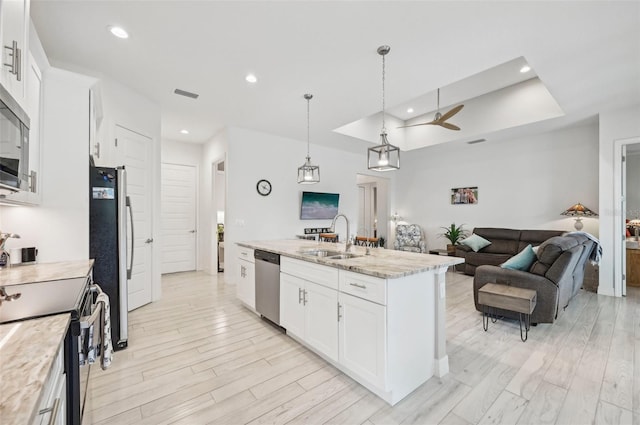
(556, 276)
(505, 243)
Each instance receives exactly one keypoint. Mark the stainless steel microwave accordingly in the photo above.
(14, 143)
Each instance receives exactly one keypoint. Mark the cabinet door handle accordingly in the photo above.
(359, 285)
(299, 295)
(243, 271)
(14, 53)
(304, 299)
(339, 314)
(53, 409)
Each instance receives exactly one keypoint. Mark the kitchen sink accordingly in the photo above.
(320, 253)
(343, 256)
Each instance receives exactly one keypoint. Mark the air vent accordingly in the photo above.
(473, 142)
(186, 93)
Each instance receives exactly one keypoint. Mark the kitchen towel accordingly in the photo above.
(107, 348)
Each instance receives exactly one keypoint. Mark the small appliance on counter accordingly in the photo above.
(108, 225)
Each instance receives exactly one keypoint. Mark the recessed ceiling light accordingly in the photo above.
(525, 68)
(118, 32)
(410, 111)
(251, 78)
(184, 131)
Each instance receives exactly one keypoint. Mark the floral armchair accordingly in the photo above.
(409, 238)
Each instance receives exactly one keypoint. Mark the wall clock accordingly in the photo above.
(263, 187)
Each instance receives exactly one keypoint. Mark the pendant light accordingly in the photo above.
(308, 173)
(385, 156)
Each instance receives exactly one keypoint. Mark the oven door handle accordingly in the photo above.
(87, 321)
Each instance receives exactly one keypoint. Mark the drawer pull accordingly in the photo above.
(53, 409)
(359, 285)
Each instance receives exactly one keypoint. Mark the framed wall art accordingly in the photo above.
(464, 195)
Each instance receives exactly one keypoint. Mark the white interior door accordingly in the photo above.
(135, 152)
(178, 211)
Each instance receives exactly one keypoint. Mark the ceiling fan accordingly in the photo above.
(440, 119)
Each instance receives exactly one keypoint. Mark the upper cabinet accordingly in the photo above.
(26, 153)
(14, 41)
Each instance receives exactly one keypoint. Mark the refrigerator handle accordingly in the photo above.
(130, 268)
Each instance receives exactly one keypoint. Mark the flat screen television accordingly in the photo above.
(319, 206)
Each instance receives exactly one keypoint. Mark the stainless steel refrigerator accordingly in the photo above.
(110, 230)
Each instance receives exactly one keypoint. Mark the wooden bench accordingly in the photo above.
(519, 300)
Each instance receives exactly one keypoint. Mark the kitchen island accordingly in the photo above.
(380, 318)
(31, 369)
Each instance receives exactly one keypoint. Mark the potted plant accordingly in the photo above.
(454, 234)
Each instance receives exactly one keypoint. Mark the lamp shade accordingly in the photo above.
(579, 210)
(383, 157)
(308, 173)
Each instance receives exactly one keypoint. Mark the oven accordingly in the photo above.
(83, 335)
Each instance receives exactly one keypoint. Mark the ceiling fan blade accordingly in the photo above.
(451, 113)
(449, 126)
(415, 125)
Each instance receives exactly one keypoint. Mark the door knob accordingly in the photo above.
(192, 231)
(150, 240)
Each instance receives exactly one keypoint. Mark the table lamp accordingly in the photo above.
(636, 227)
(578, 210)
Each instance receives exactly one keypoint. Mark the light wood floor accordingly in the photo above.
(198, 357)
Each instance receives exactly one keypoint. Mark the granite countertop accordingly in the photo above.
(25, 365)
(45, 272)
(383, 263)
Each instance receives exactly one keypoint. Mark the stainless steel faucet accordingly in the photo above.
(3, 252)
(333, 229)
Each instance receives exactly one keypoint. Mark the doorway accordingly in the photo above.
(218, 197)
(627, 206)
(373, 207)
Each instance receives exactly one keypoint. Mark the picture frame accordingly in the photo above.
(464, 195)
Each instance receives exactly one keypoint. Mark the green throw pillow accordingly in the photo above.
(475, 242)
(521, 261)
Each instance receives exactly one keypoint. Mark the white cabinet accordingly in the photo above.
(246, 286)
(53, 405)
(309, 309)
(362, 338)
(292, 304)
(14, 41)
(321, 319)
(32, 193)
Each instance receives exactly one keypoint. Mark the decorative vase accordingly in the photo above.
(451, 249)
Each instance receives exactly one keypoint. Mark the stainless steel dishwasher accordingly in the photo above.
(268, 285)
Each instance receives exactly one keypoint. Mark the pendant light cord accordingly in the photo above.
(308, 101)
(384, 130)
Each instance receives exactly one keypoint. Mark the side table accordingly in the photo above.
(519, 300)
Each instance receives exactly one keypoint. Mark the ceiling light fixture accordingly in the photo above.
(184, 131)
(410, 111)
(308, 173)
(385, 156)
(525, 69)
(118, 31)
(251, 78)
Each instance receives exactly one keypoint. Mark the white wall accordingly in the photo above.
(522, 184)
(253, 156)
(59, 227)
(614, 125)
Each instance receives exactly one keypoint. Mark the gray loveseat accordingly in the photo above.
(556, 276)
(505, 243)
